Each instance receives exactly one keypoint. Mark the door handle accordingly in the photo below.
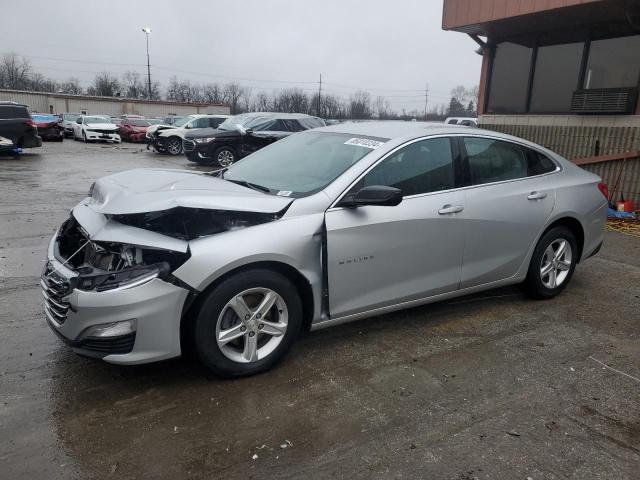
(536, 196)
(447, 209)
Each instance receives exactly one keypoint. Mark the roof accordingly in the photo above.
(391, 129)
(284, 116)
(508, 17)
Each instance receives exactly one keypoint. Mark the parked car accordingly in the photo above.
(243, 134)
(49, 126)
(7, 147)
(92, 128)
(134, 129)
(68, 119)
(17, 125)
(464, 121)
(320, 228)
(116, 120)
(168, 138)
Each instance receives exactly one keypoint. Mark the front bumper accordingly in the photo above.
(105, 137)
(156, 306)
(159, 143)
(199, 152)
(138, 137)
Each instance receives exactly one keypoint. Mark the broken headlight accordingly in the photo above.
(127, 278)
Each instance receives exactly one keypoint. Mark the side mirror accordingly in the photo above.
(379, 195)
(242, 130)
(187, 126)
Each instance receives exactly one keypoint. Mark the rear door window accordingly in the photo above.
(214, 122)
(492, 160)
(293, 125)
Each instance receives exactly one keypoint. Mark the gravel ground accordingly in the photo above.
(489, 386)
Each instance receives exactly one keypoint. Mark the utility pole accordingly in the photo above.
(320, 97)
(426, 99)
(147, 31)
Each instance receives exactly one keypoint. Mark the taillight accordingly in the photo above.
(604, 190)
(30, 122)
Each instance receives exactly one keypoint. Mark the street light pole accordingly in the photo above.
(147, 31)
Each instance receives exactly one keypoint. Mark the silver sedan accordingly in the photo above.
(324, 227)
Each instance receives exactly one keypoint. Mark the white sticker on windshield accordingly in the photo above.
(284, 193)
(364, 142)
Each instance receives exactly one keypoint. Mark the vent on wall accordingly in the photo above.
(604, 100)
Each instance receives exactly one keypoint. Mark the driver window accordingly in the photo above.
(422, 167)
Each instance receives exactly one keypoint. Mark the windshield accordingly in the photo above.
(182, 121)
(232, 122)
(44, 118)
(302, 164)
(88, 120)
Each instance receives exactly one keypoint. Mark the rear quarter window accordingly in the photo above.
(539, 164)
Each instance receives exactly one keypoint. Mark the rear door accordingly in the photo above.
(506, 206)
(379, 256)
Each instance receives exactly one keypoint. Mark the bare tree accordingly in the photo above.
(133, 86)
(261, 103)
(212, 93)
(15, 72)
(71, 86)
(105, 85)
(360, 105)
(232, 93)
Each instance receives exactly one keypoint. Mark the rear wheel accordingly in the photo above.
(552, 264)
(174, 146)
(247, 323)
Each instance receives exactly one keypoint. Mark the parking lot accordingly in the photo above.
(490, 386)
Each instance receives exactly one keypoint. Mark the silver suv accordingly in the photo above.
(323, 227)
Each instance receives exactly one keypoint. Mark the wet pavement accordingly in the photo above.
(490, 386)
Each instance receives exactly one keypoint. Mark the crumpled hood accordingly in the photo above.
(152, 190)
(155, 128)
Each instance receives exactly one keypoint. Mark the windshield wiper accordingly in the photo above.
(253, 186)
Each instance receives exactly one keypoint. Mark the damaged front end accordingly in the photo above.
(190, 223)
(104, 265)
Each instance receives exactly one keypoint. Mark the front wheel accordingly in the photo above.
(247, 323)
(552, 264)
(174, 146)
(225, 157)
(84, 137)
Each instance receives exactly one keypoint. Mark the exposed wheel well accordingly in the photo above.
(301, 283)
(576, 228)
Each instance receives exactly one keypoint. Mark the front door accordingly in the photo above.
(379, 256)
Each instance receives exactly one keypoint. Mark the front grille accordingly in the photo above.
(188, 145)
(54, 289)
(103, 132)
(109, 346)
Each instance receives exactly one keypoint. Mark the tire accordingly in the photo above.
(174, 146)
(215, 316)
(84, 137)
(225, 157)
(541, 285)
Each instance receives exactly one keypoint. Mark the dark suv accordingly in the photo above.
(17, 125)
(243, 134)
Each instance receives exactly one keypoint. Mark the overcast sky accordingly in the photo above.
(390, 48)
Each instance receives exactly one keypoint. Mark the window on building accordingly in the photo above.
(510, 78)
(494, 161)
(613, 63)
(422, 167)
(556, 76)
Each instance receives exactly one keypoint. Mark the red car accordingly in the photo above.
(49, 126)
(134, 129)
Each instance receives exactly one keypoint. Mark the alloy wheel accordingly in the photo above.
(174, 146)
(251, 325)
(225, 158)
(556, 263)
